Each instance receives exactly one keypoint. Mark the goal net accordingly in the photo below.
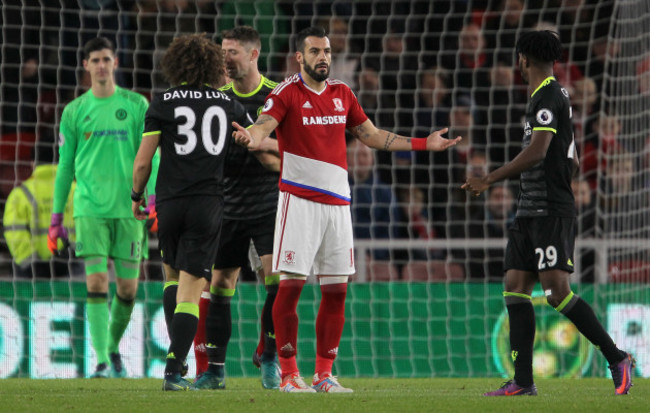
(426, 299)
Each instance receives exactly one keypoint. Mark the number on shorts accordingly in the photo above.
(187, 129)
(136, 248)
(548, 257)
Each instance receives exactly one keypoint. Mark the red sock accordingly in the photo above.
(200, 352)
(285, 320)
(329, 325)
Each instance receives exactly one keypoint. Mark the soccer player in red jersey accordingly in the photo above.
(313, 233)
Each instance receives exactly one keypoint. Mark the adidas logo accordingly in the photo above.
(271, 335)
(307, 105)
(87, 118)
(334, 351)
(287, 348)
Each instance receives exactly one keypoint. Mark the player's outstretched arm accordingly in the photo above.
(141, 172)
(389, 141)
(252, 136)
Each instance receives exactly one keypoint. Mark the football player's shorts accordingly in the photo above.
(538, 244)
(120, 238)
(188, 233)
(311, 237)
(236, 235)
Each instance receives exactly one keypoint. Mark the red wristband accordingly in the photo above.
(419, 144)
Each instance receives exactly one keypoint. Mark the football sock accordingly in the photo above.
(266, 347)
(200, 353)
(582, 315)
(329, 325)
(218, 368)
(183, 329)
(522, 336)
(120, 316)
(169, 303)
(218, 324)
(98, 318)
(285, 320)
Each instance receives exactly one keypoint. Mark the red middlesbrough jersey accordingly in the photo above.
(311, 137)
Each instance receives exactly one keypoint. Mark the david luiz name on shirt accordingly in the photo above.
(324, 120)
(195, 94)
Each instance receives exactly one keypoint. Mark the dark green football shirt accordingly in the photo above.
(545, 189)
(251, 190)
(195, 127)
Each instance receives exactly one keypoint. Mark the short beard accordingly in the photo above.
(319, 77)
(237, 74)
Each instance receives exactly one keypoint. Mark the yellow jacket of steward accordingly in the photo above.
(27, 216)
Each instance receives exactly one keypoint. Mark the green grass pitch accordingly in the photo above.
(370, 396)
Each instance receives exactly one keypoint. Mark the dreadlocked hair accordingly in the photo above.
(193, 59)
(542, 46)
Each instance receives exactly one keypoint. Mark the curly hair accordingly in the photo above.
(193, 59)
(542, 46)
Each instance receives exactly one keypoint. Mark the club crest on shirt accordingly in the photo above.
(544, 117)
(289, 257)
(338, 105)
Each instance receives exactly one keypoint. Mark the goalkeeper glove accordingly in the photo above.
(55, 232)
(152, 214)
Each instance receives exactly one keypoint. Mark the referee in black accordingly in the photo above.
(542, 237)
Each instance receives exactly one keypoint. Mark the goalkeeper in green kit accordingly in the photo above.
(99, 136)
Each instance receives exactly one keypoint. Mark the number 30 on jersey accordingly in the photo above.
(187, 129)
